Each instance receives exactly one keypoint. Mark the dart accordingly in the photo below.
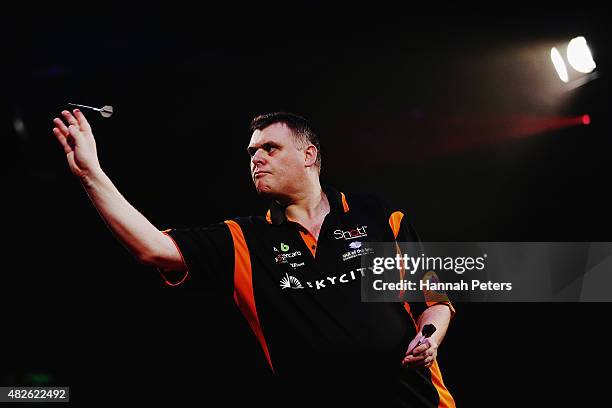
(427, 331)
(105, 111)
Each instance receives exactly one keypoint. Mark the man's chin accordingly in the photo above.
(266, 191)
(263, 189)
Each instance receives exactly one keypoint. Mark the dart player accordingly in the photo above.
(286, 272)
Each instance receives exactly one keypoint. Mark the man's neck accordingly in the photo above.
(310, 204)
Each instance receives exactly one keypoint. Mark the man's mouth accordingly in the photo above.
(260, 174)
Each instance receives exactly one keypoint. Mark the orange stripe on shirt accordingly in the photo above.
(446, 399)
(395, 221)
(243, 286)
(345, 206)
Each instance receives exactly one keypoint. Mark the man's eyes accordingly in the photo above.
(268, 148)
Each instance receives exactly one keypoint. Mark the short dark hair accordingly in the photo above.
(299, 126)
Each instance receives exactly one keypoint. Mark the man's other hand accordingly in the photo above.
(422, 355)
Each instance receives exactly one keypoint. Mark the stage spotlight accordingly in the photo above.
(557, 61)
(579, 55)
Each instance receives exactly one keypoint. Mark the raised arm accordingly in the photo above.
(141, 238)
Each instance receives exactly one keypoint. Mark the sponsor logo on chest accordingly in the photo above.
(358, 232)
(291, 282)
(356, 249)
(285, 255)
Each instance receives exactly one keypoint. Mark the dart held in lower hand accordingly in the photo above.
(427, 331)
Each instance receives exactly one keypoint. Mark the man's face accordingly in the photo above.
(277, 165)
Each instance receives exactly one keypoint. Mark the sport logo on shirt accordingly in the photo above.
(290, 282)
(358, 232)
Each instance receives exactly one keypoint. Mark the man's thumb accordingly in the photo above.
(412, 345)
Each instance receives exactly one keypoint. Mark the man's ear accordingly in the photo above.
(310, 156)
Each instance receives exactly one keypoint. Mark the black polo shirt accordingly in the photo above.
(302, 298)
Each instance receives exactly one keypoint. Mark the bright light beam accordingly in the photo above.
(557, 61)
(579, 55)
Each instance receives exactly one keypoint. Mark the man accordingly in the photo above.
(289, 271)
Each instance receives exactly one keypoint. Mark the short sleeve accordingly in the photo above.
(208, 253)
(403, 231)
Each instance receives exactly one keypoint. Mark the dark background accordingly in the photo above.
(456, 114)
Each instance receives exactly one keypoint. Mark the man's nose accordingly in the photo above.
(258, 158)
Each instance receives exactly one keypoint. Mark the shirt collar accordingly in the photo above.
(337, 203)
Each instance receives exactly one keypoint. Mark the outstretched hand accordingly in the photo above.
(78, 142)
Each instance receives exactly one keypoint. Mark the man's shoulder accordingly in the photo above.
(369, 201)
(248, 219)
